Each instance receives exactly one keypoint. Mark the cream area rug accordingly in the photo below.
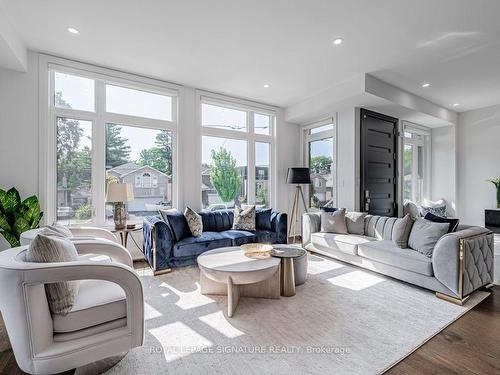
(343, 320)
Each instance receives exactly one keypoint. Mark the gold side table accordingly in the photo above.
(124, 233)
(287, 276)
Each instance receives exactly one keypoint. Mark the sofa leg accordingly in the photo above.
(455, 300)
(162, 272)
(488, 286)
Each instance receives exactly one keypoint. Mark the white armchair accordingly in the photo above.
(107, 318)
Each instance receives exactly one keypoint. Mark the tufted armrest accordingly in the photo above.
(158, 242)
(311, 223)
(463, 260)
(101, 246)
(279, 225)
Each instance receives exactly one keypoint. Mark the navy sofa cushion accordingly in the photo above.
(239, 237)
(193, 246)
(329, 209)
(179, 226)
(263, 218)
(266, 236)
(217, 221)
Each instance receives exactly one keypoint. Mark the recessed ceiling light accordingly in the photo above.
(338, 41)
(266, 86)
(456, 104)
(426, 84)
(72, 30)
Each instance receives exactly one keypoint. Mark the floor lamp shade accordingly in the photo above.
(298, 176)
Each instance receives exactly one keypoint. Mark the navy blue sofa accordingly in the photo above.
(170, 244)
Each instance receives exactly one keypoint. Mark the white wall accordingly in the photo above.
(347, 159)
(478, 150)
(443, 171)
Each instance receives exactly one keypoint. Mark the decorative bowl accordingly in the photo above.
(257, 250)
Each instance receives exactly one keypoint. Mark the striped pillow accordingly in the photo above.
(53, 249)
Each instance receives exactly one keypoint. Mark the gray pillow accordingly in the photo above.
(54, 249)
(56, 230)
(194, 222)
(425, 234)
(401, 231)
(165, 212)
(355, 222)
(244, 219)
(334, 222)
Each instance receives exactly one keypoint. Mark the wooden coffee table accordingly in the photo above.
(228, 271)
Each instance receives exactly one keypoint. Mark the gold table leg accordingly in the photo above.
(287, 277)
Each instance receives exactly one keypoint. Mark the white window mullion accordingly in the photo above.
(99, 156)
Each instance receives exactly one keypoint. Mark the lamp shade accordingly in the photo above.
(119, 193)
(298, 176)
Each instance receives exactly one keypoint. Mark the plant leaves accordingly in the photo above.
(31, 210)
(4, 224)
(21, 225)
(11, 239)
(10, 201)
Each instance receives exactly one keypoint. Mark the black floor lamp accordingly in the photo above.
(298, 177)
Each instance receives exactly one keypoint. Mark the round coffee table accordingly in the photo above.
(228, 271)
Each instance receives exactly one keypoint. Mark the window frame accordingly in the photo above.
(249, 136)
(425, 143)
(307, 138)
(48, 114)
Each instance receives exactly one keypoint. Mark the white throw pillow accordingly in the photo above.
(334, 222)
(54, 249)
(194, 221)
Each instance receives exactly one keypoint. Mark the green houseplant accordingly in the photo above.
(17, 216)
(496, 182)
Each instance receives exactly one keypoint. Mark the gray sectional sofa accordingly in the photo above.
(461, 263)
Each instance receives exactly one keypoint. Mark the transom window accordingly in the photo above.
(237, 144)
(110, 130)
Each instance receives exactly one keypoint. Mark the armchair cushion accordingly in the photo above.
(54, 249)
(97, 302)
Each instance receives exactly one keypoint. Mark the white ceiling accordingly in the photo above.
(236, 46)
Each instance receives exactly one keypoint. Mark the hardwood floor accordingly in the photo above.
(470, 345)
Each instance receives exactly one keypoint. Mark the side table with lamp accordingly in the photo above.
(119, 194)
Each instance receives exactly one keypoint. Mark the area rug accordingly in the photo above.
(343, 320)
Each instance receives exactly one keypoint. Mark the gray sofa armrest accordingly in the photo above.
(463, 260)
(311, 223)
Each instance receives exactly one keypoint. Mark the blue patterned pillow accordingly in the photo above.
(437, 210)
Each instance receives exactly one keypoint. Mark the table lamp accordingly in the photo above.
(118, 194)
(298, 176)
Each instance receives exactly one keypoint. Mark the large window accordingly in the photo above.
(320, 157)
(237, 145)
(109, 130)
(415, 161)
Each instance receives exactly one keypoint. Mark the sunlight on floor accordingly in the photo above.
(320, 265)
(356, 280)
(219, 322)
(187, 341)
(150, 312)
(189, 300)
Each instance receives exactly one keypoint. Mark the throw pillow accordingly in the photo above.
(53, 249)
(329, 209)
(163, 213)
(194, 222)
(57, 230)
(244, 219)
(425, 234)
(401, 231)
(437, 208)
(178, 225)
(438, 219)
(263, 219)
(355, 222)
(412, 209)
(334, 222)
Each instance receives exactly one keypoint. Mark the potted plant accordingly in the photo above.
(17, 216)
(496, 182)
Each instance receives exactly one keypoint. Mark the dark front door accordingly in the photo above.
(378, 163)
